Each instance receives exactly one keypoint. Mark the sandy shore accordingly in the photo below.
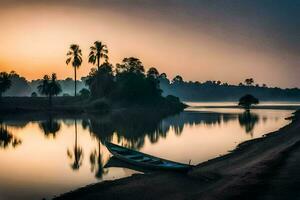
(252, 171)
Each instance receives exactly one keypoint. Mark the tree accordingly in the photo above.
(247, 100)
(85, 93)
(5, 83)
(74, 55)
(99, 50)
(163, 76)
(101, 80)
(249, 81)
(131, 64)
(153, 73)
(177, 79)
(43, 87)
(49, 87)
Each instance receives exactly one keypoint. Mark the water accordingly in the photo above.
(52, 155)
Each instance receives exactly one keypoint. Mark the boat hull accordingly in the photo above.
(149, 162)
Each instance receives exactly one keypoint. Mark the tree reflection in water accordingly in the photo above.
(97, 163)
(7, 138)
(133, 128)
(50, 127)
(248, 121)
(76, 156)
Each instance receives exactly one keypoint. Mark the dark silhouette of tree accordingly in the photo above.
(19, 85)
(177, 79)
(74, 56)
(84, 93)
(77, 154)
(5, 83)
(249, 81)
(7, 139)
(132, 65)
(50, 127)
(49, 87)
(43, 88)
(132, 86)
(247, 100)
(101, 81)
(99, 50)
(153, 73)
(163, 76)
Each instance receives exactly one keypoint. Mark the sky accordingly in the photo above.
(228, 40)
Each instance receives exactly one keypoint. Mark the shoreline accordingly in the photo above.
(273, 107)
(245, 172)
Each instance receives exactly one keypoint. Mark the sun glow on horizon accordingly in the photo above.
(34, 41)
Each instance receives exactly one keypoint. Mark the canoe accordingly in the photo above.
(115, 162)
(144, 160)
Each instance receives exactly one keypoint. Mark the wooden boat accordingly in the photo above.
(144, 160)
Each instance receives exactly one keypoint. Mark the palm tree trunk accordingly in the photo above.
(75, 81)
(98, 62)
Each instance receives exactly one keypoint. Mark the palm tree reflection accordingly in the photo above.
(7, 138)
(97, 163)
(76, 156)
(50, 127)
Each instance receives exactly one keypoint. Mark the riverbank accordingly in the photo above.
(243, 174)
(80, 106)
(273, 107)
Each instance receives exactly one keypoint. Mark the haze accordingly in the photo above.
(200, 40)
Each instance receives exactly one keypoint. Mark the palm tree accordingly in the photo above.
(99, 50)
(43, 87)
(49, 87)
(74, 55)
(7, 138)
(5, 83)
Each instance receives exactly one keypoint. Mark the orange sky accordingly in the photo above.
(35, 38)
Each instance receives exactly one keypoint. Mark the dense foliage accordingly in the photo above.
(129, 84)
(49, 87)
(5, 82)
(247, 100)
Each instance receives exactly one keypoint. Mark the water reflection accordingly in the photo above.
(50, 127)
(75, 154)
(77, 144)
(7, 139)
(248, 121)
(97, 163)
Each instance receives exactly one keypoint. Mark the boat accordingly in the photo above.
(144, 160)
